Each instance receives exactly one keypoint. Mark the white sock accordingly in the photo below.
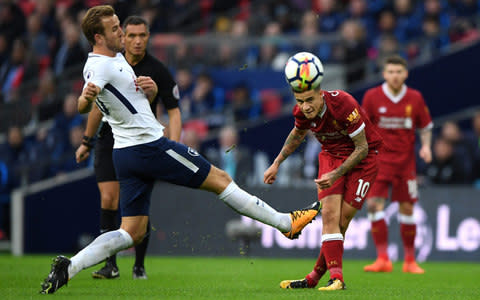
(253, 207)
(103, 246)
(376, 216)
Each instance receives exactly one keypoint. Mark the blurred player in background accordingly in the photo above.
(347, 168)
(397, 111)
(136, 41)
(141, 154)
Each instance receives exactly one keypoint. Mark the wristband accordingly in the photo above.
(89, 142)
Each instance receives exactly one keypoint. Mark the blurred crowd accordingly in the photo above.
(456, 155)
(42, 52)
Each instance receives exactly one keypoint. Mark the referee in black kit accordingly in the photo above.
(136, 39)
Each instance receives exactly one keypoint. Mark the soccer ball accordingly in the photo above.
(304, 71)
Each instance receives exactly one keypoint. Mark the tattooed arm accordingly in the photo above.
(294, 139)
(358, 154)
(425, 151)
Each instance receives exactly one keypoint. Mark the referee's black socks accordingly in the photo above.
(109, 222)
(141, 249)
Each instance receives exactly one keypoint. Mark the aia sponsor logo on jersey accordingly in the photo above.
(354, 116)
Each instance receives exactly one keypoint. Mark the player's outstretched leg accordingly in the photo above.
(290, 224)
(301, 218)
(57, 277)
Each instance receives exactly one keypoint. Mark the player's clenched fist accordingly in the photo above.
(148, 86)
(90, 92)
(326, 180)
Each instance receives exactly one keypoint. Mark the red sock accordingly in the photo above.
(380, 237)
(318, 271)
(408, 232)
(333, 251)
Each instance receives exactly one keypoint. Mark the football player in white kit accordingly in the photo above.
(142, 155)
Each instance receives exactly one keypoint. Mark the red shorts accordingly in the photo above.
(404, 187)
(353, 186)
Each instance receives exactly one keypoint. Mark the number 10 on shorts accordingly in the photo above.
(362, 189)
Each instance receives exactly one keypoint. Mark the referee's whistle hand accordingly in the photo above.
(82, 153)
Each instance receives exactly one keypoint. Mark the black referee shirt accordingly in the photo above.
(167, 88)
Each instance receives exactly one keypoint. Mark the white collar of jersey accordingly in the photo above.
(324, 108)
(93, 54)
(392, 97)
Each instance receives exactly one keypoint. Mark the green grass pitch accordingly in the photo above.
(238, 278)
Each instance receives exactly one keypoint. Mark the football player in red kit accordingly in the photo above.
(347, 168)
(397, 111)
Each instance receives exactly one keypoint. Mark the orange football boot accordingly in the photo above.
(380, 265)
(412, 267)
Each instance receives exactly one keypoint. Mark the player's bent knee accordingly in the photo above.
(406, 208)
(109, 201)
(330, 222)
(375, 205)
(109, 195)
(137, 235)
(216, 181)
(223, 176)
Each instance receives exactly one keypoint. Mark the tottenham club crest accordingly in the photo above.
(192, 152)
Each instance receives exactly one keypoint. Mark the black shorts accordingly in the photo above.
(103, 164)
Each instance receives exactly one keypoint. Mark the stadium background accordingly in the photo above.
(227, 59)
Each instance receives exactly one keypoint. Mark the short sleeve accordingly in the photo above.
(423, 119)
(167, 87)
(350, 115)
(97, 74)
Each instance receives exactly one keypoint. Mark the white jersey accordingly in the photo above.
(121, 101)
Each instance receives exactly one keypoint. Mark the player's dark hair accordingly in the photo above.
(135, 20)
(317, 89)
(92, 21)
(395, 60)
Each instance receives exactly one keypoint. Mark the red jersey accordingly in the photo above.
(396, 119)
(340, 119)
